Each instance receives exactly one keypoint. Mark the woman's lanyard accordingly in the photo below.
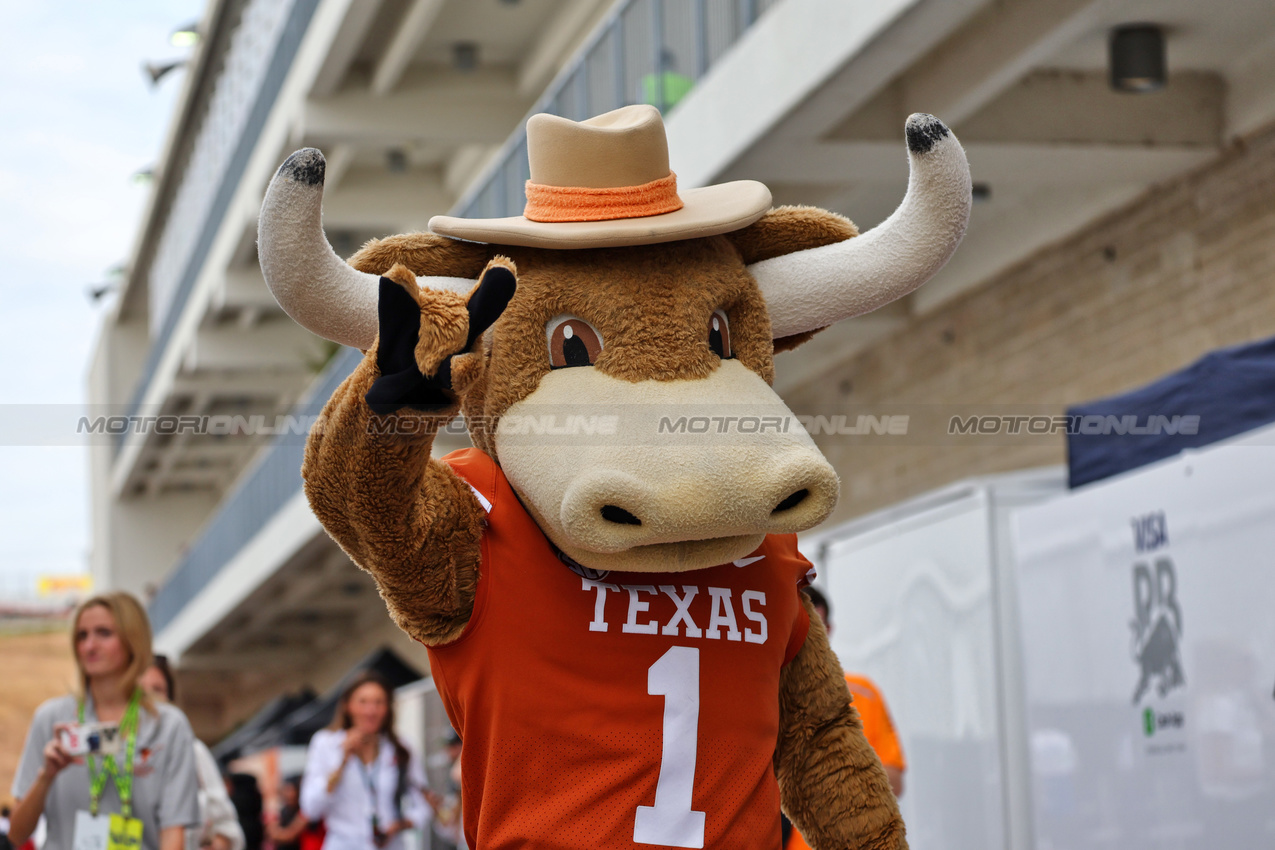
(123, 779)
(369, 778)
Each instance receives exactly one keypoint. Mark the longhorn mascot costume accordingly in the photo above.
(613, 617)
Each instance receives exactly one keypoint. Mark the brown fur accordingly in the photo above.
(832, 784)
(788, 343)
(652, 306)
(400, 515)
(444, 320)
(415, 525)
(424, 254)
(786, 229)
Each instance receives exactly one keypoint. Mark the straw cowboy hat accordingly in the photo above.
(605, 182)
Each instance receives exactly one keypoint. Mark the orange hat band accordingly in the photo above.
(575, 203)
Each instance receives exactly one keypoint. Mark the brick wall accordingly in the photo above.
(1185, 269)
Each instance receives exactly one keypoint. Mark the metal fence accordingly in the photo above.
(261, 491)
(648, 51)
(260, 54)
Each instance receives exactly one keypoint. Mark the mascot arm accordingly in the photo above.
(403, 517)
(831, 783)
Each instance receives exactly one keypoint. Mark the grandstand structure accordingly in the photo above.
(418, 106)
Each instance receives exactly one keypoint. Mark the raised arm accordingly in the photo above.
(43, 758)
(405, 518)
(831, 782)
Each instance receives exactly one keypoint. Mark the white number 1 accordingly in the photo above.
(671, 821)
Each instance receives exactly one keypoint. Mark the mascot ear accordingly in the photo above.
(784, 230)
(423, 253)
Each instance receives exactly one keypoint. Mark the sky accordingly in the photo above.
(78, 118)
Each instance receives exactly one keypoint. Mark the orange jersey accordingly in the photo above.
(612, 710)
(878, 728)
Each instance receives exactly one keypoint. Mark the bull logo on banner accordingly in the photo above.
(1157, 628)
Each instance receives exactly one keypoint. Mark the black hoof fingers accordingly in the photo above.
(494, 292)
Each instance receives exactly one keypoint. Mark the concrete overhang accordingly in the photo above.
(812, 102)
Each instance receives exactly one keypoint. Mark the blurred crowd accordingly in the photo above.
(115, 766)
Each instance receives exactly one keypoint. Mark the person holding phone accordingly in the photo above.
(147, 795)
(360, 780)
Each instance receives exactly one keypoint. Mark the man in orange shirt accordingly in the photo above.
(878, 728)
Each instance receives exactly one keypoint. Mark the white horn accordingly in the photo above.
(312, 284)
(811, 289)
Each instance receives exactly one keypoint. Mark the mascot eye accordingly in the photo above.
(719, 334)
(572, 342)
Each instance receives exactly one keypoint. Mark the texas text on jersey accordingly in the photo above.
(570, 742)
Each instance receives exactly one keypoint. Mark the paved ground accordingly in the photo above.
(37, 665)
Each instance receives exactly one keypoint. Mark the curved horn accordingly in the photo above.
(811, 289)
(311, 283)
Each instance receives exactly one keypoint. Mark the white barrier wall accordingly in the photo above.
(917, 597)
(1148, 631)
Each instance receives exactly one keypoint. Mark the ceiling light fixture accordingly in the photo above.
(1137, 58)
(465, 56)
(187, 36)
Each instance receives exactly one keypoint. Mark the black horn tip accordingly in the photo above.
(305, 166)
(924, 132)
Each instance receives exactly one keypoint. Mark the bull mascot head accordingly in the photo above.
(615, 293)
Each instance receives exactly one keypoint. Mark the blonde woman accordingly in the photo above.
(151, 783)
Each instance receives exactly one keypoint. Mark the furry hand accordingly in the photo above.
(422, 332)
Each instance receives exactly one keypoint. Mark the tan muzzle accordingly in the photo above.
(662, 476)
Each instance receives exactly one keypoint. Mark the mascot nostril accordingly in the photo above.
(611, 513)
(671, 673)
(792, 501)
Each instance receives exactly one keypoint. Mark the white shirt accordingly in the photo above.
(218, 813)
(347, 811)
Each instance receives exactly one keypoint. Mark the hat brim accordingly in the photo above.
(707, 211)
